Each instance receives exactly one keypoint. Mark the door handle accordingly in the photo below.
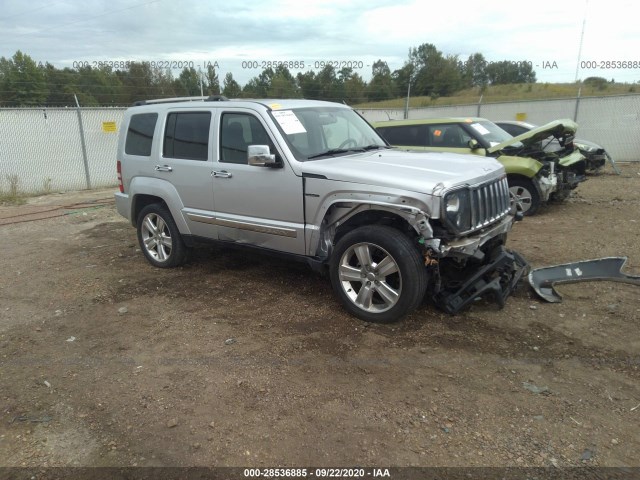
(163, 168)
(221, 174)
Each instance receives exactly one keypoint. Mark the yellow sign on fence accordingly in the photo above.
(109, 127)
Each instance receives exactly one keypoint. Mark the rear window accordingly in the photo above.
(140, 134)
(187, 135)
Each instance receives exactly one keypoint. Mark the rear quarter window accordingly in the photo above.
(140, 134)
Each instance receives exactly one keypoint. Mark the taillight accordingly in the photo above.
(119, 170)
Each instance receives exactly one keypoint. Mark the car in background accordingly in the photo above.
(595, 155)
(534, 175)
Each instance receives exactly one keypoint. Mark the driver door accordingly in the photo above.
(257, 205)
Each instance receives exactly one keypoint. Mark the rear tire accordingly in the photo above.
(525, 194)
(159, 237)
(378, 274)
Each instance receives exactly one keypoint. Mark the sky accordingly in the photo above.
(241, 36)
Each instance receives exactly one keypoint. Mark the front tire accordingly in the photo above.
(159, 237)
(378, 274)
(525, 194)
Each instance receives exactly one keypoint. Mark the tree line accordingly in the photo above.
(426, 72)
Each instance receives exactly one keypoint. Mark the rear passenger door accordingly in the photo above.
(186, 160)
(261, 206)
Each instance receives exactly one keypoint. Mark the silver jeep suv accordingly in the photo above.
(313, 180)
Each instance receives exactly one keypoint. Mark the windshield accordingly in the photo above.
(489, 134)
(321, 132)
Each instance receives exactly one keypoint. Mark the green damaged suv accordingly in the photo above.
(535, 176)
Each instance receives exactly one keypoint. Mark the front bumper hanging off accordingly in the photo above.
(610, 268)
(497, 277)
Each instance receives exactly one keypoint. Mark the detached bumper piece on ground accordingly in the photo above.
(544, 279)
(497, 279)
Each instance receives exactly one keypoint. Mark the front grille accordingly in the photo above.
(490, 202)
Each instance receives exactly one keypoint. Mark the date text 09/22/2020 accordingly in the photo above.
(245, 64)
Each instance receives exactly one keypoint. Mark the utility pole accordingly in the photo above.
(584, 21)
(406, 105)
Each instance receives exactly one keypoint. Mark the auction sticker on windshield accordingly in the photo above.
(480, 129)
(289, 122)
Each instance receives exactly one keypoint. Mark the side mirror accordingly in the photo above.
(260, 156)
(473, 144)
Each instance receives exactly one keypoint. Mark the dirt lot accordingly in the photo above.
(244, 360)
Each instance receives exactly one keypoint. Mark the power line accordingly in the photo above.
(30, 11)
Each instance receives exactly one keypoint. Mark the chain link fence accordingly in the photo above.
(612, 121)
(57, 149)
(46, 150)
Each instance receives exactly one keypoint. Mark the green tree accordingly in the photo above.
(189, 82)
(308, 84)
(435, 74)
(382, 85)
(283, 84)
(326, 83)
(474, 71)
(96, 86)
(22, 81)
(403, 77)
(355, 89)
(137, 82)
(598, 82)
(230, 88)
(61, 85)
(506, 71)
(212, 80)
(258, 87)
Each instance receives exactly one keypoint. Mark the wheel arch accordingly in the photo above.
(343, 217)
(519, 177)
(374, 217)
(146, 191)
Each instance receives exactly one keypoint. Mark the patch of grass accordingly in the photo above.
(507, 93)
(7, 199)
(12, 196)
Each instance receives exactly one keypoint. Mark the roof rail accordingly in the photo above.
(211, 98)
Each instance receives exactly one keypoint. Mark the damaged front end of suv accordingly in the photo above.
(465, 268)
(458, 228)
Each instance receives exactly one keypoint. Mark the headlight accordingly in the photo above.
(457, 210)
(585, 148)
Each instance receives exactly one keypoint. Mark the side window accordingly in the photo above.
(140, 134)
(405, 135)
(237, 132)
(448, 136)
(513, 130)
(187, 135)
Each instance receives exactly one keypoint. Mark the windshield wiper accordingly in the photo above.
(335, 151)
(375, 147)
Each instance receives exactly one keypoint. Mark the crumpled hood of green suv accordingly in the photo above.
(557, 128)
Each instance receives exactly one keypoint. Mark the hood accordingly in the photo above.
(557, 128)
(401, 169)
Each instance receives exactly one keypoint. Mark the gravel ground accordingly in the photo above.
(242, 360)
